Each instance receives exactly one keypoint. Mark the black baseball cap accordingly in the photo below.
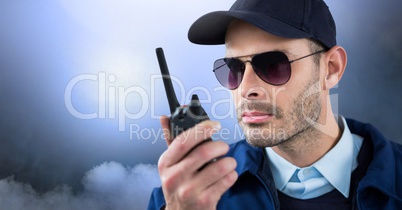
(284, 18)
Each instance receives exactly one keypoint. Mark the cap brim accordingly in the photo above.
(210, 29)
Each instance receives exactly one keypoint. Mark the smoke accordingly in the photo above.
(107, 186)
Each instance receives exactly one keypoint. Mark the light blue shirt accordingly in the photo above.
(332, 171)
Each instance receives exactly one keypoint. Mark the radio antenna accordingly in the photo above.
(167, 81)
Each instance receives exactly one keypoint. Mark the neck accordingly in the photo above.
(308, 146)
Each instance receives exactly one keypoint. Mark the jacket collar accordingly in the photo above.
(249, 159)
(386, 166)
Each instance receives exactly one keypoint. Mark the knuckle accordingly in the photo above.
(166, 182)
(185, 193)
(169, 182)
(181, 169)
(222, 169)
(170, 179)
(204, 201)
(205, 152)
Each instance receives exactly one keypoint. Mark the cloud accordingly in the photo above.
(107, 186)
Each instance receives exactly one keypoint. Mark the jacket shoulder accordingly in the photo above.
(380, 143)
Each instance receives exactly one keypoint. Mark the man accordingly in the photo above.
(281, 61)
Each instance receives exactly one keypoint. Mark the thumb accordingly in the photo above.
(164, 120)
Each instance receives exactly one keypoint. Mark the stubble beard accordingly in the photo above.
(297, 124)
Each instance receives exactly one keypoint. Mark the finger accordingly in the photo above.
(187, 140)
(164, 120)
(216, 190)
(215, 171)
(203, 154)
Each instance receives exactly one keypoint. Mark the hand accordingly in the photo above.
(184, 185)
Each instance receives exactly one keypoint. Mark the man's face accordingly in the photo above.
(271, 115)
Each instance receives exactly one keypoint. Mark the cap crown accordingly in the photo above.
(285, 18)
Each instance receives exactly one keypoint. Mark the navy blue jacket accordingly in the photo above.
(380, 187)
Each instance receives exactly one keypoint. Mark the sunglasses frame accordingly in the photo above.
(255, 71)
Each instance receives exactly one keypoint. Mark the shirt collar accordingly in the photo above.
(282, 170)
(338, 173)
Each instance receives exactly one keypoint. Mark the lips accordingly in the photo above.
(256, 117)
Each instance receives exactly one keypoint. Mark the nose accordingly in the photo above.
(252, 87)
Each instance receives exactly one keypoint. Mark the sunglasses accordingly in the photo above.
(272, 67)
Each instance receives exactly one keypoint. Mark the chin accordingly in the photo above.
(267, 139)
(264, 135)
(260, 143)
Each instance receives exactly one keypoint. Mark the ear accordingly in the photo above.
(335, 61)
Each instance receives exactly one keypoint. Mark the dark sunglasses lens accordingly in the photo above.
(229, 72)
(272, 67)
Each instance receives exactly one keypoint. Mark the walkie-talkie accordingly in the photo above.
(182, 117)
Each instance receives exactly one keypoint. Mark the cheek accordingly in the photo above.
(284, 97)
(278, 94)
(236, 97)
